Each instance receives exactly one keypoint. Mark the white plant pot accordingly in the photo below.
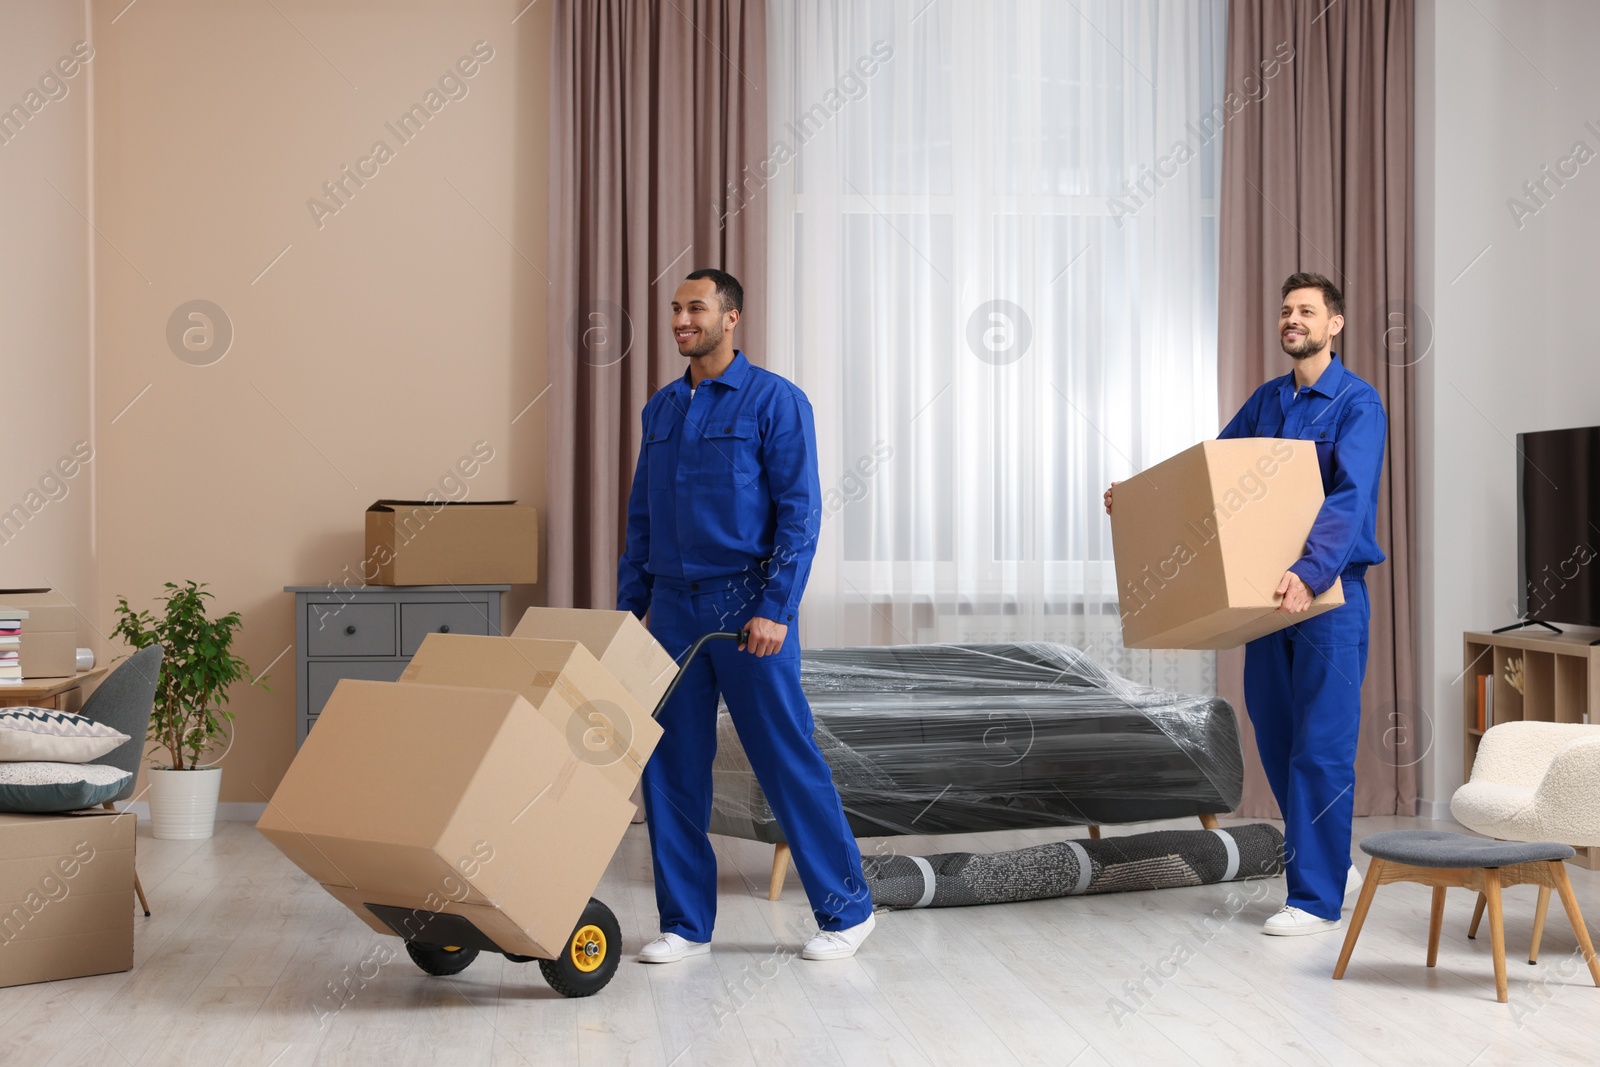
(183, 804)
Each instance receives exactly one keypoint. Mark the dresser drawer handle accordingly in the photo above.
(444, 628)
(350, 630)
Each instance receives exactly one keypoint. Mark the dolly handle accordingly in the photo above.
(743, 637)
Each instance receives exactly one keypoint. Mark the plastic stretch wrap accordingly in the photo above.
(938, 739)
(1164, 859)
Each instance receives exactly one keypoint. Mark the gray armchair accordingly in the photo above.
(123, 702)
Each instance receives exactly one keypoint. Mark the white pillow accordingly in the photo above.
(54, 736)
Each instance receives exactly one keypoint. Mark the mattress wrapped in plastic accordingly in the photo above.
(940, 739)
(1164, 859)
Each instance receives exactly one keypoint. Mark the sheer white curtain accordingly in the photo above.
(993, 269)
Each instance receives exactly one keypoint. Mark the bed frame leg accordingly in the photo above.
(780, 870)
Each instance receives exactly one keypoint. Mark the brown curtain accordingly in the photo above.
(658, 130)
(1316, 175)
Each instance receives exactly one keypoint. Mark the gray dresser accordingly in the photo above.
(373, 632)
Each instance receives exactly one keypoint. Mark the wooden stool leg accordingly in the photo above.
(1559, 870)
(1497, 931)
(1094, 833)
(1477, 916)
(780, 870)
(1208, 821)
(1435, 922)
(1369, 889)
(1538, 923)
(139, 889)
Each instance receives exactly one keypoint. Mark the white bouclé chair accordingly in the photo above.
(1534, 781)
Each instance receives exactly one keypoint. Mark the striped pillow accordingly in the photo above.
(54, 736)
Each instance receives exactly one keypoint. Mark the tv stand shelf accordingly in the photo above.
(1560, 683)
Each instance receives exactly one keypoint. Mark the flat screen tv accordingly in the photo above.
(1558, 528)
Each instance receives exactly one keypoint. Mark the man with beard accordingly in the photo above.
(1302, 684)
(722, 525)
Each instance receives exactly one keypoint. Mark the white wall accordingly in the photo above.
(1503, 89)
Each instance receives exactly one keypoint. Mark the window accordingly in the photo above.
(993, 263)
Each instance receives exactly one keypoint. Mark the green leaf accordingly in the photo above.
(198, 666)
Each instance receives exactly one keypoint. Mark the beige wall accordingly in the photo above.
(389, 338)
(46, 520)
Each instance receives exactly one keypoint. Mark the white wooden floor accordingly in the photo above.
(237, 966)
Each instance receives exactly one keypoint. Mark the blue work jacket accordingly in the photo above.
(1345, 417)
(726, 488)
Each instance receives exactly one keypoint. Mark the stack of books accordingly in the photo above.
(11, 646)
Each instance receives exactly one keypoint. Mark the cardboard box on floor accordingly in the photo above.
(48, 647)
(1203, 539)
(487, 804)
(66, 896)
(616, 639)
(418, 542)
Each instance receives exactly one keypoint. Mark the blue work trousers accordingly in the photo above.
(1302, 688)
(774, 722)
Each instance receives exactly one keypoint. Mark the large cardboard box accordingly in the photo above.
(66, 896)
(1202, 540)
(417, 542)
(602, 722)
(616, 639)
(48, 647)
(421, 799)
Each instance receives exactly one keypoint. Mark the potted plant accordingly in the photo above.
(197, 668)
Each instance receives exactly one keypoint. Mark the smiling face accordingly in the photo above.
(699, 323)
(1304, 323)
(1304, 326)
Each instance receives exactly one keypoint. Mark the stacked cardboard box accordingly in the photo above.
(66, 896)
(47, 643)
(616, 639)
(490, 783)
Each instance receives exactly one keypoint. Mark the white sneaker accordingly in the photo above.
(670, 948)
(1292, 922)
(1352, 885)
(838, 944)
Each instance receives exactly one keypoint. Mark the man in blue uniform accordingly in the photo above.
(722, 525)
(1302, 684)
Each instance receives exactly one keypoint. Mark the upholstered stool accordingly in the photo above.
(1441, 860)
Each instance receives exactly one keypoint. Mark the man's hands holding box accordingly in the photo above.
(1295, 592)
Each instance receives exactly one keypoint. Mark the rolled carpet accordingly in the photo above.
(1162, 859)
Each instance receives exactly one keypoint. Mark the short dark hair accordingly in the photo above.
(728, 287)
(1330, 292)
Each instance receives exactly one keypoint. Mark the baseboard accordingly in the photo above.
(1437, 810)
(226, 812)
